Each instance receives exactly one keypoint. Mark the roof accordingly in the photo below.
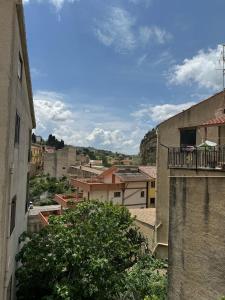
(144, 215)
(199, 103)
(148, 170)
(21, 22)
(127, 177)
(215, 121)
(88, 169)
(37, 209)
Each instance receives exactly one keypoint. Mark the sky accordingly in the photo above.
(104, 72)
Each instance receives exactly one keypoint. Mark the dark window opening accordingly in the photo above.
(142, 194)
(152, 201)
(117, 194)
(13, 215)
(152, 184)
(187, 137)
(27, 194)
(20, 67)
(29, 150)
(17, 129)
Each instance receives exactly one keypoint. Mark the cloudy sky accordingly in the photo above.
(105, 72)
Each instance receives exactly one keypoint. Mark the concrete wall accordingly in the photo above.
(169, 135)
(196, 235)
(13, 159)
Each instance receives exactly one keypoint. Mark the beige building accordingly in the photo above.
(84, 171)
(37, 159)
(122, 185)
(145, 220)
(16, 122)
(57, 163)
(190, 200)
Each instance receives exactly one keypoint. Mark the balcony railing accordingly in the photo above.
(197, 158)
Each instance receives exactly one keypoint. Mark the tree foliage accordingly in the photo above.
(41, 184)
(53, 142)
(88, 253)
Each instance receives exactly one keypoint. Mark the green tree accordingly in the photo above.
(83, 254)
(147, 280)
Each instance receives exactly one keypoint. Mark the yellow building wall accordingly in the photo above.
(151, 192)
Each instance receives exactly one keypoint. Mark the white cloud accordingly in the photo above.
(86, 125)
(119, 30)
(159, 113)
(200, 69)
(58, 4)
(116, 30)
(49, 107)
(154, 33)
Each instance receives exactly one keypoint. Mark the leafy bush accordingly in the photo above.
(97, 255)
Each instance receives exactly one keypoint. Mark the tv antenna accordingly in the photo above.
(222, 60)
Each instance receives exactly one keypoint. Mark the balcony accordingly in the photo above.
(69, 201)
(44, 215)
(197, 158)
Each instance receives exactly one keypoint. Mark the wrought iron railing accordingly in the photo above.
(197, 158)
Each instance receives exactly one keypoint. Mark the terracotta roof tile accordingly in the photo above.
(215, 121)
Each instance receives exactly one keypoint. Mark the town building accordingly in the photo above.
(84, 171)
(190, 200)
(58, 162)
(16, 123)
(150, 171)
(124, 185)
(145, 220)
(35, 216)
(37, 159)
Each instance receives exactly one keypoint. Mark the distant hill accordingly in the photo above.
(148, 148)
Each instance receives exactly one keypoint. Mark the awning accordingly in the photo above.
(207, 144)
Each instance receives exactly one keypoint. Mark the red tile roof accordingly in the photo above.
(215, 122)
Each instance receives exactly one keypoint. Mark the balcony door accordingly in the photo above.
(187, 137)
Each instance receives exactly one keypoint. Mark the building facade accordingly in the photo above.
(150, 171)
(122, 185)
(16, 122)
(57, 163)
(190, 200)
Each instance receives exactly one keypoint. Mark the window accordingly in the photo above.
(17, 129)
(152, 184)
(27, 203)
(152, 201)
(142, 194)
(29, 150)
(117, 194)
(13, 215)
(20, 67)
(187, 137)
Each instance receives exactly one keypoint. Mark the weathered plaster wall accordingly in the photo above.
(196, 235)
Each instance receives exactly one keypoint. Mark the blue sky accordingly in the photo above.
(106, 72)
